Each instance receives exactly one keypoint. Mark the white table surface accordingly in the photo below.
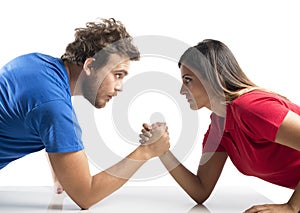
(129, 199)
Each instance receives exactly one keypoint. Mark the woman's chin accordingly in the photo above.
(194, 107)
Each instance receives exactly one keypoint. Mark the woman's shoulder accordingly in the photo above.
(259, 113)
(260, 104)
(257, 97)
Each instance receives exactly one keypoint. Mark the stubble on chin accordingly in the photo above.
(100, 104)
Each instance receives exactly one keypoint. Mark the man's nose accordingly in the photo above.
(119, 86)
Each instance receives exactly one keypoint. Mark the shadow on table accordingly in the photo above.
(199, 209)
(56, 204)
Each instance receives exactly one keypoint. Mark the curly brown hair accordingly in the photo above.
(99, 40)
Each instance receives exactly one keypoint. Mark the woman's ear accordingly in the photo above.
(87, 66)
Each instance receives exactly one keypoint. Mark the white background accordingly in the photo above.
(263, 35)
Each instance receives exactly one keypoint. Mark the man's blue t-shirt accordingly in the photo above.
(35, 108)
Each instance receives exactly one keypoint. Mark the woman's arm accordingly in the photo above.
(289, 135)
(200, 186)
(289, 131)
(294, 201)
(292, 206)
(73, 172)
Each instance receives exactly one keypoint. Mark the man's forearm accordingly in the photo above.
(108, 181)
(73, 172)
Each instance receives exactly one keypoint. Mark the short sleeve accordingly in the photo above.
(56, 124)
(214, 135)
(260, 115)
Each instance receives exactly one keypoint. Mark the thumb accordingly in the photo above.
(147, 126)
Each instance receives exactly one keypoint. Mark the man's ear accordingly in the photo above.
(87, 66)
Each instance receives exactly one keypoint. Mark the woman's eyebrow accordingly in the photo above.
(185, 75)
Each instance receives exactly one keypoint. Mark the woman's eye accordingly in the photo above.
(187, 80)
(118, 75)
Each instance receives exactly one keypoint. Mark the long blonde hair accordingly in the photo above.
(216, 64)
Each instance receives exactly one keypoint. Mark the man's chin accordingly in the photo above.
(100, 105)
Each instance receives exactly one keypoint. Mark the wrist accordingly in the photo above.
(294, 207)
(143, 153)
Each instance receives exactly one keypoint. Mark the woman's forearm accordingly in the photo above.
(190, 182)
(200, 186)
(294, 201)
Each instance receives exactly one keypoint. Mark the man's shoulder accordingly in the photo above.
(33, 59)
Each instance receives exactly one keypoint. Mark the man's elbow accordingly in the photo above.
(86, 202)
(85, 205)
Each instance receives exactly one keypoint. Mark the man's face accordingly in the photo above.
(103, 84)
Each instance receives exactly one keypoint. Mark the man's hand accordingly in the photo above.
(155, 138)
(149, 129)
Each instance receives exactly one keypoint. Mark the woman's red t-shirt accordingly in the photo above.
(248, 136)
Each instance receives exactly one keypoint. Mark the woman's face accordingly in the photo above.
(193, 89)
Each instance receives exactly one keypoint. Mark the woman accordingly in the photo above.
(258, 129)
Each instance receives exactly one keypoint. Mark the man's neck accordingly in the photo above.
(73, 71)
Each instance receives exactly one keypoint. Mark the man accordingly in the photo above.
(36, 111)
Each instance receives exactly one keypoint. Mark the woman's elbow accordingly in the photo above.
(200, 200)
(202, 195)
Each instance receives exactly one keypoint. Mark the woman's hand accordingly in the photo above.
(148, 130)
(155, 138)
(272, 208)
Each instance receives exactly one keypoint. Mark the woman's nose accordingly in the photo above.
(183, 90)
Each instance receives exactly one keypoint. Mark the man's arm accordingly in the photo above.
(58, 188)
(73, 172)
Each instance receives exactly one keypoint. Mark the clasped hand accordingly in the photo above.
(156, 138)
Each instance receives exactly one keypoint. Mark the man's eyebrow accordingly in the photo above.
(124, 71)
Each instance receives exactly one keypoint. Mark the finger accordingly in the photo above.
(142, 141)
(144, 138)
(157, 124)
(157, 130)
(257, 208)
(147, 126)
(146, 133)
(154, 125)
(167, 136)
(163, 125)
(160, 124)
